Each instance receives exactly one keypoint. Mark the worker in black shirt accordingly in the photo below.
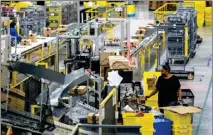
(168, 88)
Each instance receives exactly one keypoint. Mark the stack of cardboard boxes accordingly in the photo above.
(109, 62)
(79, 90)
(104, 63)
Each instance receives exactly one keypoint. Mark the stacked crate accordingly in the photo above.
(208, 16)
(200, 8)
(181, 122)
(61, 13)
(146, 121)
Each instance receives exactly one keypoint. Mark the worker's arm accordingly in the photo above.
(179, 89)
(153, 93)
(179, 94)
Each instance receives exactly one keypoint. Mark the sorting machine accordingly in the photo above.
(181, 40)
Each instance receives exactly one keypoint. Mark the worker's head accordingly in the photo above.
(165, 69)
(12, 25)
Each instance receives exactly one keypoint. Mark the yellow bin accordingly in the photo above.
(131, 10)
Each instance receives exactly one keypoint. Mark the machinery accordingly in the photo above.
(64, 12)
(32, 19)
(181, 41)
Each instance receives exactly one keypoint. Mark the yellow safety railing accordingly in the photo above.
(112, 94)
(163, 11)
(188, 4)
(107, 11)
(170, 8)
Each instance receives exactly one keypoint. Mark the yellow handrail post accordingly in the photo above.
(14, 77)
(186, 52)
(143, 57)
(164, 39)
(9, 129)
(33, 107)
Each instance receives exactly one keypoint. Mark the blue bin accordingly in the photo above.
(162, 126)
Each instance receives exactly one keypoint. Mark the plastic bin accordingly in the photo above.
(147, 131)
(188, 97)
(182, 128)
(179, 132)
(162, 126)
(147, 121)
(178, 120)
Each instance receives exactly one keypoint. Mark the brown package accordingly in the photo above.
(140, 36)
(93, 118)
(47, 32)
(118, 62)
(104, 58)
(80, 90)
(33, 37)
(26, 42)
(151, 81)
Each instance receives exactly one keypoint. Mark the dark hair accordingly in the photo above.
(166, 67)
(12, 25)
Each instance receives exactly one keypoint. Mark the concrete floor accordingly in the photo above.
(203, 73)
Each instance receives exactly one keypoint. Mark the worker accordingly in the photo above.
(14, 34)
(168, 88)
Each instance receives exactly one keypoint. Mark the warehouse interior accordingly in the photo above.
(91, 67)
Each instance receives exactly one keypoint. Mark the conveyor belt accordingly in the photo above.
(143, 44)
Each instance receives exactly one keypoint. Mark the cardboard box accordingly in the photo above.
(151, 81)
(141, 31)
(47, 32)
(93, 118)
(33, 37)
(118, 62)
(151, 87)
(80, 90)
(140, 36)
(104, 58)
(26, 42)
(182, 109)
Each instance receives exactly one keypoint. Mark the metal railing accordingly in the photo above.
(170, 8)
(109, 11)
